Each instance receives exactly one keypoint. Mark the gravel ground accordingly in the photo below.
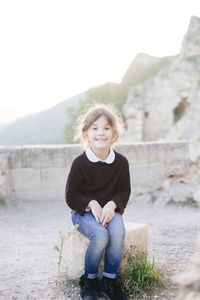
(29, 233)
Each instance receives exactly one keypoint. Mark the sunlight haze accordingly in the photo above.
(53, 50)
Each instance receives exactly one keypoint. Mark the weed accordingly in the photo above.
(2, 200)
(60, 251)
(187, 202)
(153, 199)
(140, 275)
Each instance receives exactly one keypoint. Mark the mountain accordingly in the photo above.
(166, 106)
(2, 125)
(143, 67)
(45, 127)
(158, 97)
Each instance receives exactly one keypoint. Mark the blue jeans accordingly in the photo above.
(110, 239)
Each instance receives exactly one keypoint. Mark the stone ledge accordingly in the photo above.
(39, 172)
(136, 235)
(48, 156)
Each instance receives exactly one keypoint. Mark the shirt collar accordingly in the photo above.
(93, 158)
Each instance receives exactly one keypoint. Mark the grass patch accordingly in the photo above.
(140, 275)
(188, 202)
(2, 201)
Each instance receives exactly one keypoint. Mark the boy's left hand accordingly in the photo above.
(108, 213)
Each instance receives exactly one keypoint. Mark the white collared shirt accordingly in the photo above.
(93, 158)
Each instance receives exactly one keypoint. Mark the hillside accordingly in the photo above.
(45, 127)
(49, 126)
(166, 106)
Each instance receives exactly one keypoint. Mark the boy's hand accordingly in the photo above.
(96, 209)
(108, 213)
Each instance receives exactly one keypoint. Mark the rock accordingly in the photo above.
(136, 234)
(189, 281)
(191, 42)
(194, 147)
(197, 196)
(166, 106)
(5, 191)
(132, 109)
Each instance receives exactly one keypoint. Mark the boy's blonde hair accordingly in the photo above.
(85, 121)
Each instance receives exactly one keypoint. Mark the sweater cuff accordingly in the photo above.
(120, 206)
(85, 208)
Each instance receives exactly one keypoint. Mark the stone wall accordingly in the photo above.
(38, 173)
(5, 191)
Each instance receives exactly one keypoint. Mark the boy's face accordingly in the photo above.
(100, 135)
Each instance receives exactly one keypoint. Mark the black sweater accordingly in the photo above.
(99, 181)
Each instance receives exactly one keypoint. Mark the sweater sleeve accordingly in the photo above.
(123, 189)
(74, 196)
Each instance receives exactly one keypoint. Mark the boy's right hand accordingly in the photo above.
(96, 209)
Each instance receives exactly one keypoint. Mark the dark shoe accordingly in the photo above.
(111, 288)
(88, 288)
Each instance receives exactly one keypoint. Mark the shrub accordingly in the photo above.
(140, 275)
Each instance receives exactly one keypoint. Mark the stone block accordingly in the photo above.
(15, 158)
(147, 178)
(71, 152)
(53, 177)
(43, 156)
(5, 191)
(177, 169)
(136, 153)
(167, 153)
(25, 179)
(28, 195)
(136, 235)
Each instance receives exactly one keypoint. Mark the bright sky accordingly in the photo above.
(52, 50)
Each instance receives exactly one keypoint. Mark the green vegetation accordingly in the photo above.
(2, 200)
(138, 73)
(113, 93)
(140, 275)
(110, 93)
(59, 262)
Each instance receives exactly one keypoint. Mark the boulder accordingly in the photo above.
(136, 235)
(166, 106)
(189, 281)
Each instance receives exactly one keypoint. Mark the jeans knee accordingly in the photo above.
(101, 238)
(118, 235)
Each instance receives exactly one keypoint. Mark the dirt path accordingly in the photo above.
(29, 233)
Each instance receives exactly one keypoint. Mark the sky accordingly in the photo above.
(52, 50)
